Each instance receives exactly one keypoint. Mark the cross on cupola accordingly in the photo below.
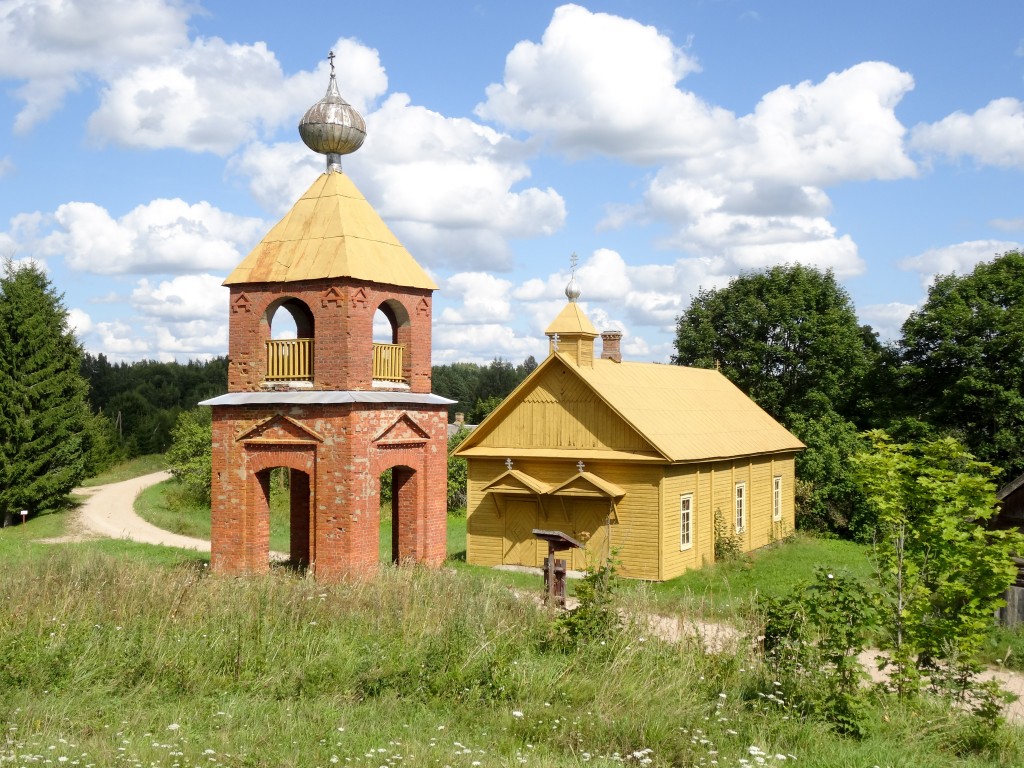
(572, 334)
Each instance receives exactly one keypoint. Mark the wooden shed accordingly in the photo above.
(632, 458)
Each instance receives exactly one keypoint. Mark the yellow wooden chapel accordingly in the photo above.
(632, 458)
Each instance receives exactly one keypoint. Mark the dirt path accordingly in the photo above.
(109, 511)
(721, 638)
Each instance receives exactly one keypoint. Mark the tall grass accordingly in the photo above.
(105, 661)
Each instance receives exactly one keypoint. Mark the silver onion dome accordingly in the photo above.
(572, 290)
(331, 126)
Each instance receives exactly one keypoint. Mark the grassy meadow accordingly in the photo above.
(113, 653)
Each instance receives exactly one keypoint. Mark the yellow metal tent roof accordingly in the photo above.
(571, 321)
(687, 414)
(332, 231)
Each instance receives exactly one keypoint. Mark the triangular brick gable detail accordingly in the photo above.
(280, 428)
(241, 304)
(331, 295)
(402, 430)
(359, 298)
(423, 307)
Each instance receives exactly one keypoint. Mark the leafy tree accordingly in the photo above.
(46, 411)
(963, 370)
(458, 474)
(190, 456)
(789, 338)
(482, 409)
(942, 571)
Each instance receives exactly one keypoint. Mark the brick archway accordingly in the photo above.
(406, 515)
(240, 540)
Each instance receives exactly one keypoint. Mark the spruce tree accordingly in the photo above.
(43, 419)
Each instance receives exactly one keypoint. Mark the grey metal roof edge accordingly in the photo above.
(326, 397)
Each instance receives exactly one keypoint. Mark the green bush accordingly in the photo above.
(190, 455)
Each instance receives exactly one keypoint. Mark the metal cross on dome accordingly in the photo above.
(330, 58)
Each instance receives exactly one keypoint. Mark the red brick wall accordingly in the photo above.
(344, 468)
(343, 311)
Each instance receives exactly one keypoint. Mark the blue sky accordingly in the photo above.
(147, 145)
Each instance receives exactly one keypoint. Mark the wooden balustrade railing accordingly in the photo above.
(290, 360)
(387, 362)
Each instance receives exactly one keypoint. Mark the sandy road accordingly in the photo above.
(109, 511)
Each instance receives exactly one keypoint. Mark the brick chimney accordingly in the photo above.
(610, 345)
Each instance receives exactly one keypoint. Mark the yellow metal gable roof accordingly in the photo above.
(687, 414)
(332, 231)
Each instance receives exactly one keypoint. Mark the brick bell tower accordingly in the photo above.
(339, 396)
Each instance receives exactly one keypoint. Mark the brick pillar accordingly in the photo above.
(256, 551)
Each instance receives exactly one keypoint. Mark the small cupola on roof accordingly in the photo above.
(332, 126)
(572, 334)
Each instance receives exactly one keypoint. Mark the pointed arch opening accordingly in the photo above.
(290, 333)
(391, 334)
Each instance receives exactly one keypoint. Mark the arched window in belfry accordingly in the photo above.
(290, 342)
(390, 336)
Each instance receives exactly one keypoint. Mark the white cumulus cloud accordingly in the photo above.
(993, 135)
(601, 83)
(448, 187)
(51, 45)
(184, 298)
(216, 96)
(959, 258)
(484, 298)
(164, 236)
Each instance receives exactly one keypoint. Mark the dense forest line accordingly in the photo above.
(141, 400)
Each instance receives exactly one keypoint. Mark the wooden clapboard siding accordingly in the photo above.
(484, 527)
(635, 534)
(681, 480)
(760, 502)
(561, 411)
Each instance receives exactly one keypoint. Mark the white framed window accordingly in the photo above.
(741, 507)
(777, 498)
(686, 521)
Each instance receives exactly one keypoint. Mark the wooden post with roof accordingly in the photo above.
(329, 402)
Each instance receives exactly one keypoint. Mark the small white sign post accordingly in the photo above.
(24, 516)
